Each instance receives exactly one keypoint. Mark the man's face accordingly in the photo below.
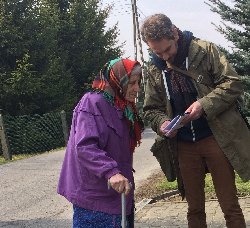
(165, 48)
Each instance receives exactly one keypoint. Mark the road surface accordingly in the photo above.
(28, 197)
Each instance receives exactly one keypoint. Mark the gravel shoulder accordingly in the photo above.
(148, 188)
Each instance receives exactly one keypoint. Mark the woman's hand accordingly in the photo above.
(120, 183)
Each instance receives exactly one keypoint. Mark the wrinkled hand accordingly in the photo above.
(120, 183)
(165, 124)
(195, 112)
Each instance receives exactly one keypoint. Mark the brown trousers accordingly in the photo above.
(192, 160)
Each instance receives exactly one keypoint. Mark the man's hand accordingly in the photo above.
(165, 124)
(195, 112)
(120, 183)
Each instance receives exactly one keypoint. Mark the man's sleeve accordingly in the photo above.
(228, 85)
(154, 105)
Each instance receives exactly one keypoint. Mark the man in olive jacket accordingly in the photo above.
(189, 75)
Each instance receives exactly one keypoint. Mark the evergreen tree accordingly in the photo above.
(50, 49)
(29, 70)
(236, 29)
(88, 42)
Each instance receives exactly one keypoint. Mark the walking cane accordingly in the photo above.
(124, 214)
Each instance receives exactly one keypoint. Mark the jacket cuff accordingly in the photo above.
(207, 107)
(112, 173)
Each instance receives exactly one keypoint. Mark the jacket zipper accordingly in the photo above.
(193, 131)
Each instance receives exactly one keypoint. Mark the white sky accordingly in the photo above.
(191, 15)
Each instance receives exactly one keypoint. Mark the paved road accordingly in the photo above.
(28, 195)
(145, 163)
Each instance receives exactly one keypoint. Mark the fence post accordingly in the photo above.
(64, 126)
(4, 140)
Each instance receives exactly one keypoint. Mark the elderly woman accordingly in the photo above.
(104, 133)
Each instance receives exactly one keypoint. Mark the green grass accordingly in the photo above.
(16, 157)
(23, 156)
(242, 187)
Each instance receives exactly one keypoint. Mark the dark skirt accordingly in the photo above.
(84, 218)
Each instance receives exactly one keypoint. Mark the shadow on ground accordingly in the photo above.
(37, 223)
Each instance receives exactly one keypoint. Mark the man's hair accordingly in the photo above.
(157, 27)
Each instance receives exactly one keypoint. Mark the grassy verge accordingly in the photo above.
(243, 188)
(23, 156)
(16, 157)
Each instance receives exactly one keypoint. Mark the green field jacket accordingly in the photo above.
(218, 98)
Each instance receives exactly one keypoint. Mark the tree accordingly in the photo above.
(236, 30)
(49, 49)
(29, 58)
(87, 41)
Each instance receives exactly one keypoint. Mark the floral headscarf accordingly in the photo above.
(115, 75)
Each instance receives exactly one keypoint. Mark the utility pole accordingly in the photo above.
(138, 45)
(136, 32)
(134, 28)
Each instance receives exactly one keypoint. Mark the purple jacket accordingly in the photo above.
(98, 148)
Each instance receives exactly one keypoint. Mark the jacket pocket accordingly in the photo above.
(164, 156)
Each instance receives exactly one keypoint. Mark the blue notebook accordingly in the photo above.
(174, 124)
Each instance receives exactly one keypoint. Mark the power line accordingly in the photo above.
(141, 12)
